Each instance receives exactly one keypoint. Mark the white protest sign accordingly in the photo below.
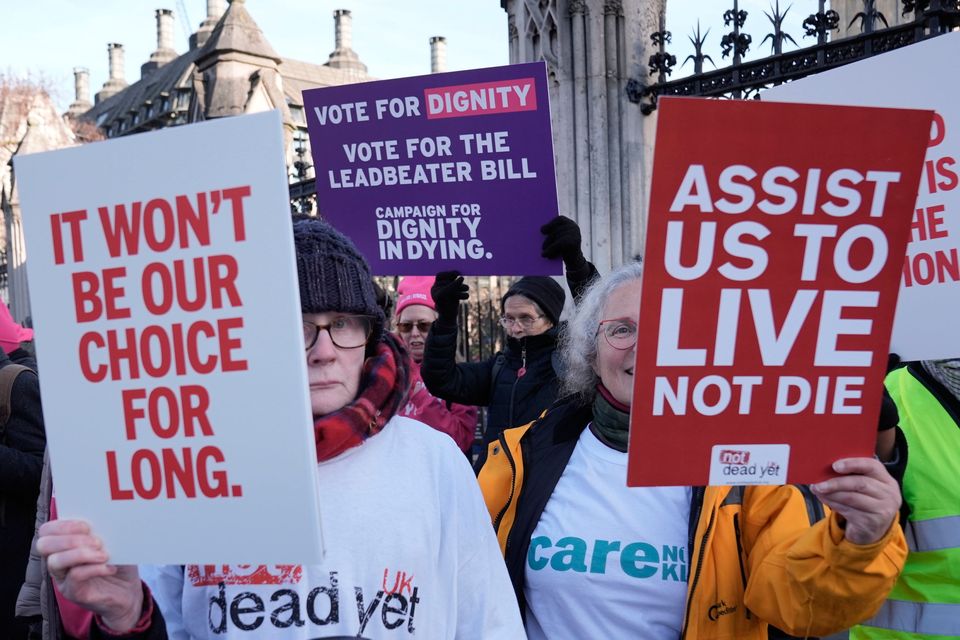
(166, 308)
(929, 303)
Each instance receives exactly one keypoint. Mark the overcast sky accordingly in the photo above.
(48, 38)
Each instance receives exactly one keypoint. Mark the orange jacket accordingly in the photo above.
(755, 557)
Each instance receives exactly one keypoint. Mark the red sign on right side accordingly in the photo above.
(775, 240)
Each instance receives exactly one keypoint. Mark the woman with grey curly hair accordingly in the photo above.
(590, 557)
(579, 344)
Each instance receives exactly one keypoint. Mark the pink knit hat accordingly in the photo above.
(11, 333)
(414, 290)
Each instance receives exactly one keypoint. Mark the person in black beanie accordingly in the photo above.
(518, 383)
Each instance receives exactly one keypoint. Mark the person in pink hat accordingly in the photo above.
(22, 441)
(12, 334)
(415, 315)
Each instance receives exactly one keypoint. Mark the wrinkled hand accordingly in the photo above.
(865, 496)
(448, 291)
(78, 565)
(562, 240)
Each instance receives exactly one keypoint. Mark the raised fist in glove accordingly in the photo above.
(561, 239)
(448, 291)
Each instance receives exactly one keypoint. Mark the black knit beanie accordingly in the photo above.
(545, 291)
(333, 275)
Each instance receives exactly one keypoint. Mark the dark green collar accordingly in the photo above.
(611, 420)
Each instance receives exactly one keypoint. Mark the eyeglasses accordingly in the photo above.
(524, 321)
(346, 332)
(423, 326)
(621, 333)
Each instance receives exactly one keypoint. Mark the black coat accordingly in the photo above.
(512, 400)
(21, 464)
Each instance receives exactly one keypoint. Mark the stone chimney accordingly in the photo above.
(438, 54)
(343, 56)
(115, 54)
(215, 11)
(164, 52)
(116, 81)
(81, 101)
(343, 29)
(164, 30)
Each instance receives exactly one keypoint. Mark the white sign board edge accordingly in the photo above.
(910, 77)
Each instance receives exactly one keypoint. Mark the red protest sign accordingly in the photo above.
(775, 240)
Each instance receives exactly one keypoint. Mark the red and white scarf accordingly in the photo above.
(384, 384)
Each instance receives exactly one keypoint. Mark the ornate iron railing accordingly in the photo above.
(303, 196)
(745, 79)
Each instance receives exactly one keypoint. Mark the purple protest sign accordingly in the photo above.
(445, 171)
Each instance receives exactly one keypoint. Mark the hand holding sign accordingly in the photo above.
(865, 496)
(78, 565)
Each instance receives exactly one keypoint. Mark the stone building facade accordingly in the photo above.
(886, 13)
(29, 123)
(602, 144)
(229, 69)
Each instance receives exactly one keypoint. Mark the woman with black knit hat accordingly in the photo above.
(409, 546)
(518, 383)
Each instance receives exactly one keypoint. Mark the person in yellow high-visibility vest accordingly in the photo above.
(925, 602)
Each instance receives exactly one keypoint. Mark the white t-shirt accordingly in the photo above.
(410, 554)
(607, 561)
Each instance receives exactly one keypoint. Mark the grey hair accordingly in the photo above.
(578, 342)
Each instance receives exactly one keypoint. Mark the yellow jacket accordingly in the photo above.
(755, 558)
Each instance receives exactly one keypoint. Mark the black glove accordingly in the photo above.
(889, 416)
(562, 240)
(448, 291)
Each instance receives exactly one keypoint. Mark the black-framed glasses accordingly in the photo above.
(524, 321)
(423, 326)
(621, 333)
(346, 332)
